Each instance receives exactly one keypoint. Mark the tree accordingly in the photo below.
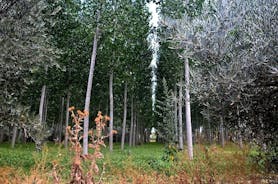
(124, 118)
(26, 46)
(88, 93)
(234, 65)
(165, 110)
(188, 111)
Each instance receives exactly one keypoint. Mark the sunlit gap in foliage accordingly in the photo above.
(153, 40)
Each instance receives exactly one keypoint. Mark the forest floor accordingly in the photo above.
(148, 163)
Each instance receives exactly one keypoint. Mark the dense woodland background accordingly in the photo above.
(231, 46)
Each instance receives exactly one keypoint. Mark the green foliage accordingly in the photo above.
(25, 47)
(21, 156)
(170, 152)
(266, 160)
(165, 112)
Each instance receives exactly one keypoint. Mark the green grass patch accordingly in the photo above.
(211, 163)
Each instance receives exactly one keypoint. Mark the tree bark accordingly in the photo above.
(176, 113)
(222, 136)
(19, 137)
(239, 133)
(134, 129)
(210, 134)
(42, 103)
(14, 136)
(124, 118)
(67, 119)
(131, 123)
(111, 111)
(188, 111)
(88, 92)
(61, 119)
(180, 117)
(45, 107)
(2, 134)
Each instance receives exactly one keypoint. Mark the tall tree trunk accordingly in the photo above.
(124, 119)
(180, 116)
(61, 119)
(8, 131)
(42, 103)
(67, 119)
(137, 130)
(176, 113)
(131, 123)
(111, 111)
(2, 134)
(19, 137)
(239, 133)
(44, 116)
(14, 136)
(88, 92)
(210, 134)
(188, 111)
(134, 129)
(222, 136)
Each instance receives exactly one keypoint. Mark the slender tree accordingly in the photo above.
(67, 119)
(111, 100)
(42, 103)
(89, 89)
(180, 116)
(60, 130)
(176, 113)
(188, 112)
(131, 123)
(124, 118)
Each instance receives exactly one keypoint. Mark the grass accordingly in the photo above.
(141, 164)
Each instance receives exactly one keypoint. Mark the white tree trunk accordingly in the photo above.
(45, 107)
(14, 135)
(180, 117)
(19, 136)
(131, 123)
(210, 134)
(124, 118)
(2, 134)
(67, 119)
(134, 129)
(61, 119)
(111, 111)
(176, 113)
(42, 103)
(239, 133)
(88, 93)
(188, 111)
(222, 136)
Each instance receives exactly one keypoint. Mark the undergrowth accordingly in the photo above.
(142, 164)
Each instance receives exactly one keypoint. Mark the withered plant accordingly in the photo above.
(78, 174)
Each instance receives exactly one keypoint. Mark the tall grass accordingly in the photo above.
(142, 164)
